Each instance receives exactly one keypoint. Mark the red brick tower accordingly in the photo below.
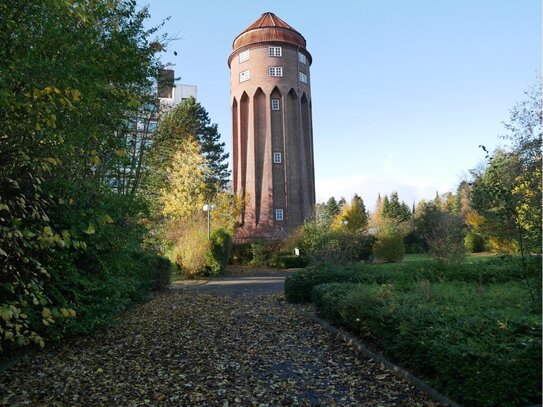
(272, 128)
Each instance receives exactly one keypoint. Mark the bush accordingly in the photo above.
(258, 253)
(191, 249)
(197, 255)
(288, 261)
(474, 243)
(389, 248)
(218, 252)
(446, 239)
(299, 284)
(322, 246)
(241, 254)
(327, 298)
(108, 274)
(480, 346)
(415, 243)
(362, 245)
(159, 271)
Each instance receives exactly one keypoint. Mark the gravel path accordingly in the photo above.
(198, 347)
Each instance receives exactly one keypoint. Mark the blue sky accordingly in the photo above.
(403, 92)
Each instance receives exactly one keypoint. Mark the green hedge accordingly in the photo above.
(120, 280)
(219, 251)
(299, 284)
(477, 270)
(390, 248)
(288, 261)
(479, 345)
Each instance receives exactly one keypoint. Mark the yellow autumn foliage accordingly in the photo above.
(184, 191)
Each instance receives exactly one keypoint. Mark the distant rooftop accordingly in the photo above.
(269, 28)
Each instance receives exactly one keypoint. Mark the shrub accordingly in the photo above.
(327, 298)
(415, 243)
(190, 251)
(159, 271)
(110, 273)
(258, 253)
(197, 255)
(446, 239)
(322, 246)
(287, 261)
(480, 346)
(389, 247)
(362, 244)
(474, 243)
(241, 254)
(218, 252)
(299, 284)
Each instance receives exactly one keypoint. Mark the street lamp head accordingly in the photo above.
(207, 207)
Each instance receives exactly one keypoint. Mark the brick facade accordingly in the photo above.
(260, 131)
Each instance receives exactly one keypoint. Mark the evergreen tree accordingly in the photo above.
(386, 208)
(213, 151)
(395, 210)
(332, 208)
(190, 119)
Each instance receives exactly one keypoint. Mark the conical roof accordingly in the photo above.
(269, 28)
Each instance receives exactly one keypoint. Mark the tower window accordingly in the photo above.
(244, 56)
(302, 58)
(302, 77)
(275, 51)
(244, 76)
(275, 71)
(277, 157)
(278, 214)
(275, 104)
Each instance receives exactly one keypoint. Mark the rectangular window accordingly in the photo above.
(275, 104)
(275, 51)
(278, 214)
(302, 59)
(303, 77)
(244, 76)
(244, 56)
(275, 71)
(277, 157)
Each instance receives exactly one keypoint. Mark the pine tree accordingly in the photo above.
(190, 119)
(332, 208)
(395, 210)
(213, 151)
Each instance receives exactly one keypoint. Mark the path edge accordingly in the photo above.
(360, 348)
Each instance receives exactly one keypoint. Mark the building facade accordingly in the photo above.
(272, 128)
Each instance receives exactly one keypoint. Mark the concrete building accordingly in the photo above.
(272, 128)
(171, 95)
(141, 127)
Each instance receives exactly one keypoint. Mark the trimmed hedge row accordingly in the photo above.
(480, 346)
(298, 285)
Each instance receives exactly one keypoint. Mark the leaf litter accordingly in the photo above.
(188, 348)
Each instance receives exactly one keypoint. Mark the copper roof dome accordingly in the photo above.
(269, 28)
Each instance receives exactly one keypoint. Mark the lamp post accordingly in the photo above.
(345, 222)
(208, 208)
